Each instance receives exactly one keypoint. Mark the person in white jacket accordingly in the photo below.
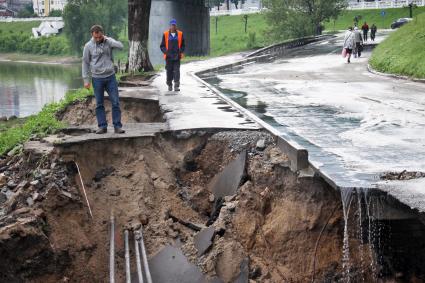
(349, 43)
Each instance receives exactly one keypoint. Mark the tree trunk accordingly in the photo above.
(138, 34)
(228, 5)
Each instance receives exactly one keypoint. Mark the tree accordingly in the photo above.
(27, 12)
(297, 18)
(80, 15)
(138, 34)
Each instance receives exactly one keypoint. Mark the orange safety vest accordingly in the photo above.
(179, 41)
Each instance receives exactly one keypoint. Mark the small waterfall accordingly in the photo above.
(360, 194)
(346, 197)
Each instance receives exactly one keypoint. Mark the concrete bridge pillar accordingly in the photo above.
(192, 18)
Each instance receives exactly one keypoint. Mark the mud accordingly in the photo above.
(278, 227)
(133, 111)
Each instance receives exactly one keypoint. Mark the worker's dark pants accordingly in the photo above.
(173, 72)
(358, 49)
(365, 35)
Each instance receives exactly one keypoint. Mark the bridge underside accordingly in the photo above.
(192, 18)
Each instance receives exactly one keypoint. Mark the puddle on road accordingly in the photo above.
(354, 131)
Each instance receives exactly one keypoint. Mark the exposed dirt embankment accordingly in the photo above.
(133, 111)
(267, 223)
(274, 220)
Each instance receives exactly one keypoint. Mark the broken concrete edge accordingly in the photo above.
(393, 76)
(296, 154)
(289, 44)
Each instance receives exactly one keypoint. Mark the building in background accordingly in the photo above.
(17, 5)
(48, 28)
(5, 11)
(44, 7)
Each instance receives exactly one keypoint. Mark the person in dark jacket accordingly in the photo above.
(365, 29)
(373, 31)
(173, 47)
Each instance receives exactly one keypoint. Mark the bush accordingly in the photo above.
(252, 42)
(55, 13)
(21, 42)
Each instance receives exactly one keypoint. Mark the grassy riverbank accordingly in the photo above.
(40, 125)
(370, 16)
(403, 51)
(18, 27)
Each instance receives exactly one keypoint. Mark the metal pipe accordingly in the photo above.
(127, 258)
(138, 263)
(112, 252)
(144, 257)
(84, 189)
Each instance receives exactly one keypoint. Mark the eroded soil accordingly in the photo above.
(284, 227)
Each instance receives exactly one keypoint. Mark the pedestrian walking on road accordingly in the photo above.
(98, 64)
(365, 29)
(173, 47)
(358, 43)
(348, 44)
(373, 31)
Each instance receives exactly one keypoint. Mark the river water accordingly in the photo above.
(26, 87)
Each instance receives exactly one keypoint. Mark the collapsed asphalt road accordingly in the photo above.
(216, 197)
(355, 125)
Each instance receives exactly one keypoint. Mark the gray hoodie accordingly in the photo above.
(98, 59)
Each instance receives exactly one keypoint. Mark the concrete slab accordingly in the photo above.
(411, 192)
(227, 182)
(203, 240)
(133, 130)
(170, 265)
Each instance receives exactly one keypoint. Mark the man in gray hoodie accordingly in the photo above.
(98, 64)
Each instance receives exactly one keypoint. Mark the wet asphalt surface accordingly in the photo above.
(355, 125)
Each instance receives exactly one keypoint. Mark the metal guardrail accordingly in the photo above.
(383, 4)
(352, 5)
(235, 12)
(10, 19)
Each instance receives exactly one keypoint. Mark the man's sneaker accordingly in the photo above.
(176, 88)
(119, 131)
(170, 88)
(101, 131)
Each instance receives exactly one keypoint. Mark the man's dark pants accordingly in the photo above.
(173, 72)
(365, 35)
(111, 86)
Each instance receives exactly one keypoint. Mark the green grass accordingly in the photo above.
(5, 125)
(371, 16)
(24, 27)
(403, 51)
(231, 37)
(42, 124)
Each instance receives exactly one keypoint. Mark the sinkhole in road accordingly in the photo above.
(224, 205)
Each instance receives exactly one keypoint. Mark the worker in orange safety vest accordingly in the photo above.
(173, 46)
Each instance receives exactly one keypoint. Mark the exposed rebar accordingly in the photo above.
(138, 263)
(84, 189)
(127, 258)
(144, 257)
(112, 252)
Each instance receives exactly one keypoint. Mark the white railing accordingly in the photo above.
(383, 4)
(10, 19)
(235, 12)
